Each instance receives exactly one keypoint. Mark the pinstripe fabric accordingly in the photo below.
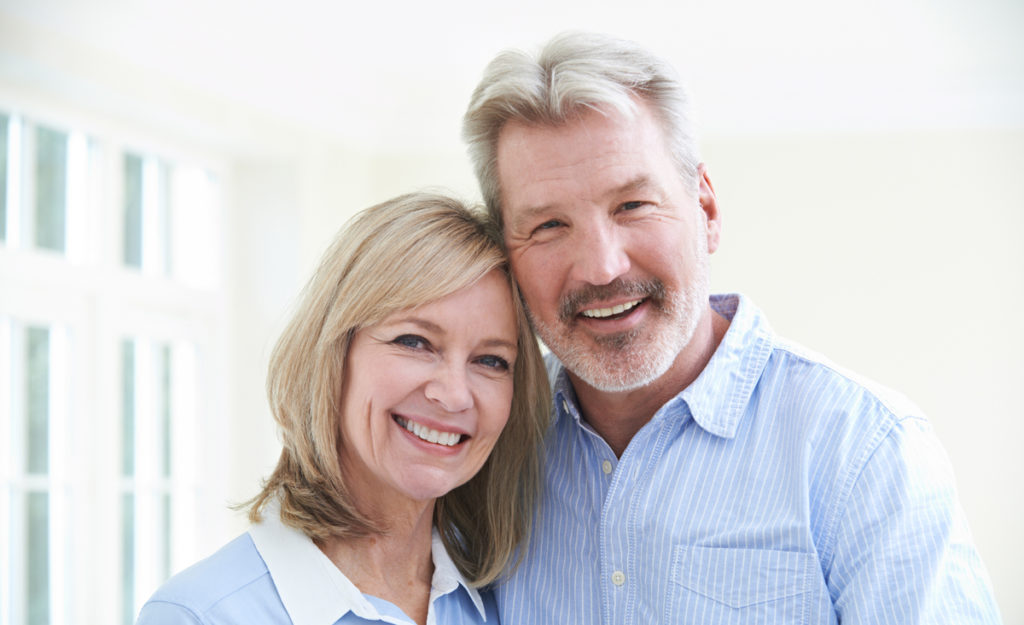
(774, 489)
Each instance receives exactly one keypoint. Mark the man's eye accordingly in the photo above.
(411, 341)
(549, 224)
(494, 362)
(628, 206)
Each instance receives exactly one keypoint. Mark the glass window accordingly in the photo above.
(128, 557)
(147, 201)
(37, 393)
(29, 353)
(128, 408)
(51, 172)
(151, 401)
(104, 486)
(132, 211)
(37, 508)
(37, 574)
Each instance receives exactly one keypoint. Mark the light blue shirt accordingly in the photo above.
(275, 575)
(776, 488)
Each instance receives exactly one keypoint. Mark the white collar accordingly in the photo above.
(315, 592)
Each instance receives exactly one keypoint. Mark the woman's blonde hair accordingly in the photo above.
(403, 253)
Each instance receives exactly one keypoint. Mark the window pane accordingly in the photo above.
(37, 395)
(132, 210)
(128, 407)
(128, 558)
(165, 536)
(165, 410)
(3, 177)
(37, 575)
(158, 216)
(51, 188)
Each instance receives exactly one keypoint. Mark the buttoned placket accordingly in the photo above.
(619, 521)
(619, 481)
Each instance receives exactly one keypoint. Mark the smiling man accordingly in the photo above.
(700, 469)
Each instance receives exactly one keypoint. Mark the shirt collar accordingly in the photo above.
(447, 577)
(718, 398)
(315, 592)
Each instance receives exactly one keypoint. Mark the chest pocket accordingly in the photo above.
(722, 585)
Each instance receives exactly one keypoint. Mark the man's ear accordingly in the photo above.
(709, 206)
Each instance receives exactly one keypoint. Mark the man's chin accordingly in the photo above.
(613, 366)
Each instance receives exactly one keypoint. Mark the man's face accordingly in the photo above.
(609, 247)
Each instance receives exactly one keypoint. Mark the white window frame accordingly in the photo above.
(95, 303)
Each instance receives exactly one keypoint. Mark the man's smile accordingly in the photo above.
(613, 311)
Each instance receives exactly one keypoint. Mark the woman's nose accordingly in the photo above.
(450, 388)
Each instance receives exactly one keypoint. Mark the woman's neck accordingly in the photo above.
(396, 566)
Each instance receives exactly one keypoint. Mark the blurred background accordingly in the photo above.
(171, 172)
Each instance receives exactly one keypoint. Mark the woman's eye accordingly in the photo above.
(494, 362)
(549, 224)
(411, 341)
(628, 206)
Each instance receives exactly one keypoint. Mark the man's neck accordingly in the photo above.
(618, 416)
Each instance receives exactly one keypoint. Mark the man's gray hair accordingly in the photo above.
(573, 73)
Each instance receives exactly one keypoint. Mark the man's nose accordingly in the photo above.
(449, 387)
(600, 254)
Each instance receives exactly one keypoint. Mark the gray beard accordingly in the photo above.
(630, 360)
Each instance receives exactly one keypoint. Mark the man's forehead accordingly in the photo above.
(533, 154)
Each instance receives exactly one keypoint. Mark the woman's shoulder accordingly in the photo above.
(234, 578)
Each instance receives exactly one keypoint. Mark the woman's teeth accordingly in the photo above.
(447, 439)
(600, 313)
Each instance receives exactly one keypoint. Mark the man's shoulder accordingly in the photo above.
(810, 373)
(232, 570)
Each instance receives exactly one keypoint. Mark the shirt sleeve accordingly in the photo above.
(166, 613)
(903, 551)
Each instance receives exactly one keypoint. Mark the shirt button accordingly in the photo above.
(606, 466)
(618, 578)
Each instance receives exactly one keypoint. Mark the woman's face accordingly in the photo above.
(427, 392)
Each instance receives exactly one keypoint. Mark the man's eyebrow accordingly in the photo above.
(639, 183)
(529, 214)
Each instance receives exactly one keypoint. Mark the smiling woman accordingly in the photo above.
(431, 427)
(411, 398)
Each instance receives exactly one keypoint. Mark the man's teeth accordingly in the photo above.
(599, 313)
(447, 439)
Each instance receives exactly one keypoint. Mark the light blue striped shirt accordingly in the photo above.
(776, 488)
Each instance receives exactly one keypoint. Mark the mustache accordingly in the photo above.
(572, 302)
